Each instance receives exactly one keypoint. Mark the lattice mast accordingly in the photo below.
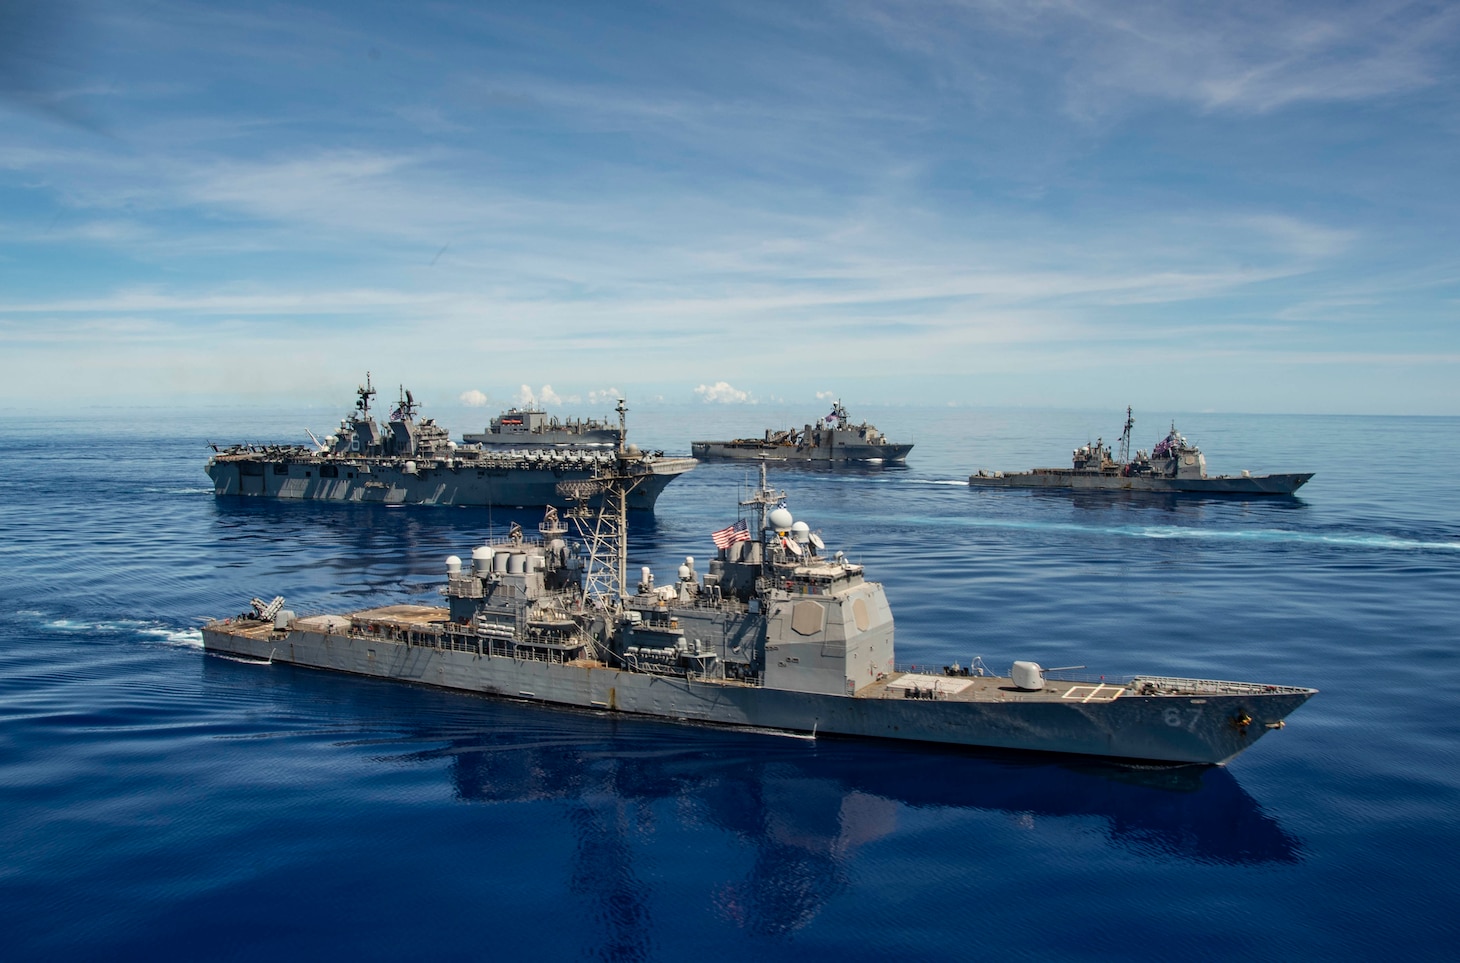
(604, 529)
(1130, 423)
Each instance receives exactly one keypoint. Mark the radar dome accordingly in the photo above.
(632, 450)
(781, 519)
(801, 532)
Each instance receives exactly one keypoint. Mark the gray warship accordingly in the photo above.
(833, 440)
(533, 428)
(777, 633)
(414, 462)
(1173, 465)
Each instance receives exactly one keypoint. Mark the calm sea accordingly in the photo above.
(159, 803)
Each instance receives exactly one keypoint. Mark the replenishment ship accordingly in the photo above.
(777, 632)
(1173, 465)
(533, 428)
(833, 440)
(408, 461)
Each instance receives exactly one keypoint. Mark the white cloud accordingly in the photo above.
(474, 399)
(605, 396)
(826, 395)
(721, 392)
(546, 397)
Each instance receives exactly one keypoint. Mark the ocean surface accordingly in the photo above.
(160, 803)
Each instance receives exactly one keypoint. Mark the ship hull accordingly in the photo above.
(1055, 478)
(1159, 729)
(390, 483)
(793, 454)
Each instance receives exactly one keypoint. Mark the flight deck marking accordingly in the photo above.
(920, 681)
(1094, 693)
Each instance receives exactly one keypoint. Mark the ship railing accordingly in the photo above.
(1171, 685)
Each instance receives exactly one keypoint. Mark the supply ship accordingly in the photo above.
(533, 428)
(1173, 465)
(777, 633)
(833, 440)
(408, 461)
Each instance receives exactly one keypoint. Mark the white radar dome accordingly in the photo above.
(801, 532)
(781, 519)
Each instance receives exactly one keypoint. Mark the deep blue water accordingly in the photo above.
(157, 801)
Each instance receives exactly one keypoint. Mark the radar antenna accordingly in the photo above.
(1130, 423)
(363, 395)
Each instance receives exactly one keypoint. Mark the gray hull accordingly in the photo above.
(1201, 727)
(826, 454)
(509, 486)
(1059, 478)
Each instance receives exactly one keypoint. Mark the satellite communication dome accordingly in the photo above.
(781, 519)
(801, 532)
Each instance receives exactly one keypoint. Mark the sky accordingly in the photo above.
(1189, 206)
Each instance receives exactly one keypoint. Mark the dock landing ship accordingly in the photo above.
(777, 633)
(833, 440)
(1173, 465)
(415, 462)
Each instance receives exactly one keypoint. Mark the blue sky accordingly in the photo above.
(1179, 206)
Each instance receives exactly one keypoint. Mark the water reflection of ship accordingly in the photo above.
(807, 808)
(1193, 505)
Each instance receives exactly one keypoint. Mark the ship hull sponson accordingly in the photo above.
(1087, 481)
(1163, 729)
(509, 487)
(791, 454)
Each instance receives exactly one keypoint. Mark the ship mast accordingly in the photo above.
(1130, 423)
(604, 529)
(765, 497)
(364, 392)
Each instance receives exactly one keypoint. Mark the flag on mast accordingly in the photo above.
(725, 537)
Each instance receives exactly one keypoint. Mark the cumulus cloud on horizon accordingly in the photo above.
(544, 397)
(722, 392)
(474, 398)
(605, 396)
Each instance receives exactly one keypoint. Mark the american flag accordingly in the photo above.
(725, 537)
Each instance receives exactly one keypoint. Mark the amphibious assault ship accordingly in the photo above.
(833, 440)
(532, 428)
(415, 462)
(777, 633)
(1173, 465)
